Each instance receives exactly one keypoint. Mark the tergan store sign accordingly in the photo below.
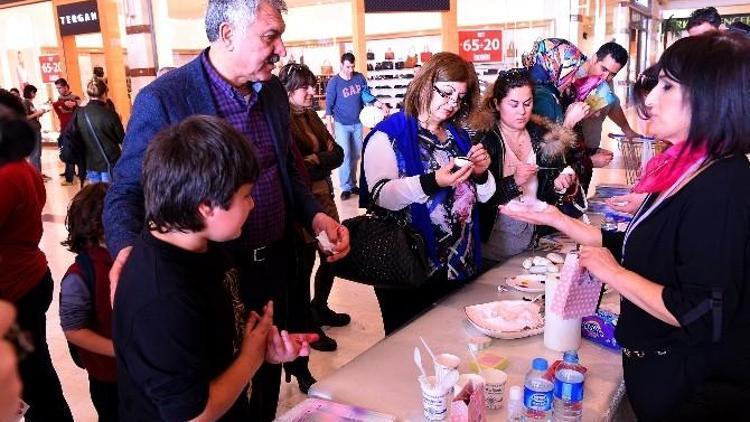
(78, 18)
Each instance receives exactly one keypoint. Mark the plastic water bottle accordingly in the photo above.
(609, 223)
(516, 411)
(569, 377)
(537, 392)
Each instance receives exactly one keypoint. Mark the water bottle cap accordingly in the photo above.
(539, 364)
(516, 394)
(570, 356)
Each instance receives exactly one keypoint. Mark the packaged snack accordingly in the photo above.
(600, 328)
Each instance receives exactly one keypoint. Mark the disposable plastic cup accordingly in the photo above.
(494, 387)
(435, 400)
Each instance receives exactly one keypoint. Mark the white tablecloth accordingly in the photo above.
(384, 378)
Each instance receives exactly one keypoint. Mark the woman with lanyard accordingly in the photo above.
(682, 266)
(413, 154)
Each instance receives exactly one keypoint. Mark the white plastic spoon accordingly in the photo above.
(418, 361)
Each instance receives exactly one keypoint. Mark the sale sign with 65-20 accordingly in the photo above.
(51, 67)
(480, 46)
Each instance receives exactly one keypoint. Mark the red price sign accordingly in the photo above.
(480, 46)
(50, 67)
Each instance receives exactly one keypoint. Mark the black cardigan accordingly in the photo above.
(696, 244)
(506, 186)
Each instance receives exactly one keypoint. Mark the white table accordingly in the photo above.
(384, 378)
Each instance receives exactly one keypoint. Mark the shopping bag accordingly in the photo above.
(425, 55)
(326, 68)
(577, 294)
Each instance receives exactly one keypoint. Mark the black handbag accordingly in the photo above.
(386, 251)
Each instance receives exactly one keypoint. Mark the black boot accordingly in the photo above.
(300, 370)
(324, 343)
(323, 315)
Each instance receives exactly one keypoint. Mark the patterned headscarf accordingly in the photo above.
(555, 61)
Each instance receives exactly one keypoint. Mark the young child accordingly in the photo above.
(85, 311)
(175, 310)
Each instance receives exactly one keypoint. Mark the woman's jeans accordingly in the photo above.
(349, 137)
(98, 176)
(36, 154)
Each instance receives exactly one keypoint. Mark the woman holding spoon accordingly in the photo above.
(528, 158)
(417, 152)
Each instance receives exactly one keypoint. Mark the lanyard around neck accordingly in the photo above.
(643, 213)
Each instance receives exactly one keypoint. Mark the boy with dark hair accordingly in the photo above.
(181, 349)
(85, 311)
(703, 20)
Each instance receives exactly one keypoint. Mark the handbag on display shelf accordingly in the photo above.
(326, 69)
(411, 58)
(370, 54)
(387, 65)
(386, 251)
(511, 52)
(425, 54)
(400, 65)
(389, 54)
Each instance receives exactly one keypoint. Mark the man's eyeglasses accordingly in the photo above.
(450, 95)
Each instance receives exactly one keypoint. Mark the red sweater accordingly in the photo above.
(22, 197)
(63, 112)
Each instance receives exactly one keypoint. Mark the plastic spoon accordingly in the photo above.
(432, 355)
(449, 381)
(418, 361)
(474, 358)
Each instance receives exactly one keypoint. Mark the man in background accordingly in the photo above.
(703, 20)
(346, 95)
(65, 108)
(609, 59)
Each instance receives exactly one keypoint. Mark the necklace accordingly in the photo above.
(516, 145)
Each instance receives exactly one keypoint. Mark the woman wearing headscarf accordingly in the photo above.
(553, 65)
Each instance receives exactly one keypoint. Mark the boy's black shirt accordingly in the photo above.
(173, 331)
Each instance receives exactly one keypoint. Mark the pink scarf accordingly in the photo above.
(663, 170)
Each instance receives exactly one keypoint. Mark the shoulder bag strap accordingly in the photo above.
(98, 143)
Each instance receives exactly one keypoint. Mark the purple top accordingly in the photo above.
(267, 221)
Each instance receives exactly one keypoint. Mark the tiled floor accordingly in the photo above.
(358, 300)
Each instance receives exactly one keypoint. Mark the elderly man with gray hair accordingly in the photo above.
(231, 79)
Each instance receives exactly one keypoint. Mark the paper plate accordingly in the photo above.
(476, 320)
(530, 283)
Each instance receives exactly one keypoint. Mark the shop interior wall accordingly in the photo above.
(28, 31)
(314, 30)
